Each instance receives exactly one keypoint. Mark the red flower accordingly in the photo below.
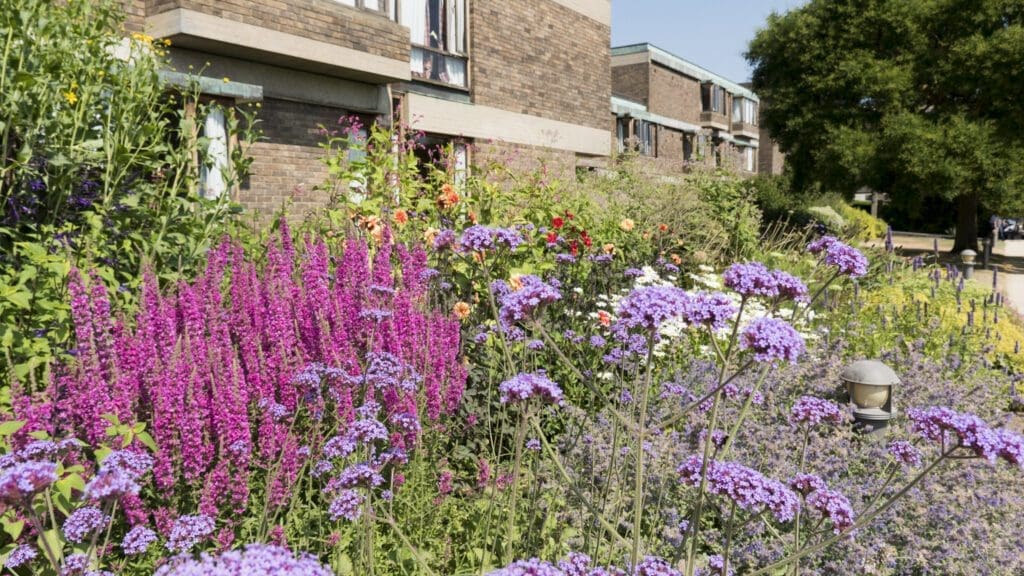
(552, 237)
(604, 318)
(663, 227)
(569, 215)
(586, 239)
(574, 248)
(557, 222)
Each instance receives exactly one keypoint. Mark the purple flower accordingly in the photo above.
(771, 339)
(367, 430)
(834, 506)
(941, 424)
(565, 259)
(444, 483)
(527, 385)
(649, 307)
(748, 488)
(254, 560)
(531, 567)
(751, 279)
(188, 531)
(357, 475)
(716, 566)
(812, 411)
(21, 481)
(821, 244)
(846, 259)
(138, 540)
(444, 239)
(110, 484)
(83, 522)
(480, 238)
(535, 344)
(135, 464)
(790, 287)
(597, 341)
(21, 555)
(1012, 449)
(632, 272)
(905, 453)
(521, 304)
(653, 566)
(711, 309)
(804, 484)
(533, 444)
(347, 505)
(75, 564)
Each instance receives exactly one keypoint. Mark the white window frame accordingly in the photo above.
(214, 171)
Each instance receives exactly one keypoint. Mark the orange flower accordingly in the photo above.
(429, 235)
(676, 259)
(472, 217)
(609, 248)
(401, 216)
(516, 282)
(461, 310)
(627, 224)
(662, 227)
(449, 197)
(604, 318)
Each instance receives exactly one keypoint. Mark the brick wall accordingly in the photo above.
(135, 15)
(522, 160)
(632, 82)
(674, 95)
(540, 58)
(323, 20)
(286, 162)
(769, 159)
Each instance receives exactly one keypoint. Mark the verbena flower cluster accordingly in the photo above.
(811, 411)
(577, 564)
(771, 339)
(253, 560)
(529, 385)
(481, 238)
(953, 429)
(753, 279)
(522, 303)
(846, 259)
(748, 488)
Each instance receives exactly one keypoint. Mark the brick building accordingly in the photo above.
(676, 113)
(527, 79)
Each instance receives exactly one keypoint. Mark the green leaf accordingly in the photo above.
(51, 538)
(13, 528)
(8, 428)
(146, 439)
(21, 299)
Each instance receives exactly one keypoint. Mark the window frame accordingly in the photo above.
(445, 53)
(361, 5)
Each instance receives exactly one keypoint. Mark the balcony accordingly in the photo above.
(745, 129)
(715, 120)
(311, 35)
(439, 67)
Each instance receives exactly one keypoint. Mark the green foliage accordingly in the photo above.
(907, 98)
(99, 169)
(861, 225)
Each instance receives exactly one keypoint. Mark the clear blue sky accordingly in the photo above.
(710, 33)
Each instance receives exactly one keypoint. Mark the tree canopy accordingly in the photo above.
(914, 98)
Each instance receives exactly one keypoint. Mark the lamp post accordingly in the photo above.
(967, 257)
(870, 386)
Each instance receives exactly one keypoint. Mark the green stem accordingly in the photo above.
(638, 481)
(572, 486)
(408, 545)
(520, 437)
(743, 411)
(730, 529)
(796, 521)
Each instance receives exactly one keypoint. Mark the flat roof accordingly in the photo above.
(683, 66)
(624, 107)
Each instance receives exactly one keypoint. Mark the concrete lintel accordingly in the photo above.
(240, 91)
(210, 30)
(600, 10)
(487, 123)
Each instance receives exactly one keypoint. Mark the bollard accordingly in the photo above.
(967, 257)
(986, 251)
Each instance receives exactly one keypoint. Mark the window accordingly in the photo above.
(437, 31)
(744, 110)
(748, 155)
(375, 5)
(646, 134)
(621, 133)
(214, 171)
(688, 147)
(713, 98)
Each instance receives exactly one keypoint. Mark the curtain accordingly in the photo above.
(455, 69)
(460, 26)
(215, 165)
(414, 15)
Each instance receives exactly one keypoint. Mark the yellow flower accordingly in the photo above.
(70, 97)
(627, 224)
(226, 79)
(430, 234)
(145, 38)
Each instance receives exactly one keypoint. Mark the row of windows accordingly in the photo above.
(713, 99)
(642, 137)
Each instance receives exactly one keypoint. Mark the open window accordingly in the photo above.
(437, 31)
(712, 98)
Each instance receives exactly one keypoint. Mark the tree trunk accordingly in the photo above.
(966, 223)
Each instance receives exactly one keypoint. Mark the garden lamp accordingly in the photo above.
(870, 385)
(967, 257)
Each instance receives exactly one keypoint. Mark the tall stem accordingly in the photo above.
(638, 481)
(796, 521)
(729, 530)
(743, 411)
(519, 439)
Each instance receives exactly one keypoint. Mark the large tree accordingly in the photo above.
(914, 98)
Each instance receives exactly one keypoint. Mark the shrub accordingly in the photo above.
(861, 225)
